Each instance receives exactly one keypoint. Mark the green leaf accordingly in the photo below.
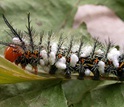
(89, 93)
(106, 96)
(10, 73)
(33, 94)
(76, 89)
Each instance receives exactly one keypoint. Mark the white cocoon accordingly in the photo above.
(61, 63)
(87, 72)
(115, 62)
(83, 55)
(52, 58)
(86, 51)
(16, 40)
(74, 60)
(54, 48)
(42, 62)
(43, 53)
(113, 56)
(99, 51)
(63, 60)
(101, 68)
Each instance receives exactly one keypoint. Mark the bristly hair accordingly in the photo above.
(70, 46)
(41, 39)
(81, 44)
(11, 28)
(21, 34)
(30, 29)
(10, 34)
(60, 43)
(14, 32)
(48, 42)
(94, 47)
(4, 43)
(10, 44)
(109, 45)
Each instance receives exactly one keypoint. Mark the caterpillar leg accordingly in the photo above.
(67, 73)
(96, 74)
(121, 74)
(53, 69)
(23, 66)
(35, 69)
(81, 73)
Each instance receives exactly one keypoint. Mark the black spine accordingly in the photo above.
(29, 28)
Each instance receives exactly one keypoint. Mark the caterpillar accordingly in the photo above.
(82, 59)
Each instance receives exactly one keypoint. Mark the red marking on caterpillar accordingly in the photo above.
(12, 53)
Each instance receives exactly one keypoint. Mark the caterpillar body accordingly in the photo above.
(81, 60)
